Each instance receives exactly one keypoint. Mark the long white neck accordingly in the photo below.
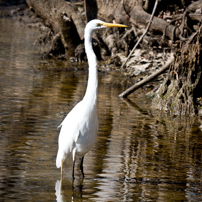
(92, 86)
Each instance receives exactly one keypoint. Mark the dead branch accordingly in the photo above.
(148, 79)
(140, 39)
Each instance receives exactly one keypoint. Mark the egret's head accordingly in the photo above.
(98, 24)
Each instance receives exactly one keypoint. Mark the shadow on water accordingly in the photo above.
(140, 154)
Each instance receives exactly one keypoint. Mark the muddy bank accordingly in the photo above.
(177, 28)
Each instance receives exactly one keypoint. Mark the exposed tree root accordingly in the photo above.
(181, 92)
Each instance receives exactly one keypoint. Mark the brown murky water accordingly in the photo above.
(140, 155)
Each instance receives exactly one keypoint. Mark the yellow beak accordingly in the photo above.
(113, 25)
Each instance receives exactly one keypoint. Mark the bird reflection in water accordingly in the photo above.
(65, 191)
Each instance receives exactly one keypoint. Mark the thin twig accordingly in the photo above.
(192, 37)
(146, 80)
(140, 39)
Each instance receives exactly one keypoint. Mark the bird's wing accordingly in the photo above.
(70, 129)
(73, 114)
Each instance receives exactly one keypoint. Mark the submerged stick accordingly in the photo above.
(146, 80)
(140, 39)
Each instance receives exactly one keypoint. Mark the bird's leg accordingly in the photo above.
(73, 171)
(81, 166)
(74, 159)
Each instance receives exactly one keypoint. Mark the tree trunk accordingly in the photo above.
(181, 92)
(91, 9)
(63, 19)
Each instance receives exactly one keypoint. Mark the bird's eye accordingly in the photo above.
(99, 24)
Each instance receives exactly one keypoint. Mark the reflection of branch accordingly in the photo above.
(140, 39)
(146, 80)
(134, 106)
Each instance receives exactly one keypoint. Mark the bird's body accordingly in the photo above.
(79, 129)
(79, 134)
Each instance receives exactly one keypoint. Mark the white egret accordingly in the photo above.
(79, 128)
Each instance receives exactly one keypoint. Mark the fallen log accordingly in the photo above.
(140, 17)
